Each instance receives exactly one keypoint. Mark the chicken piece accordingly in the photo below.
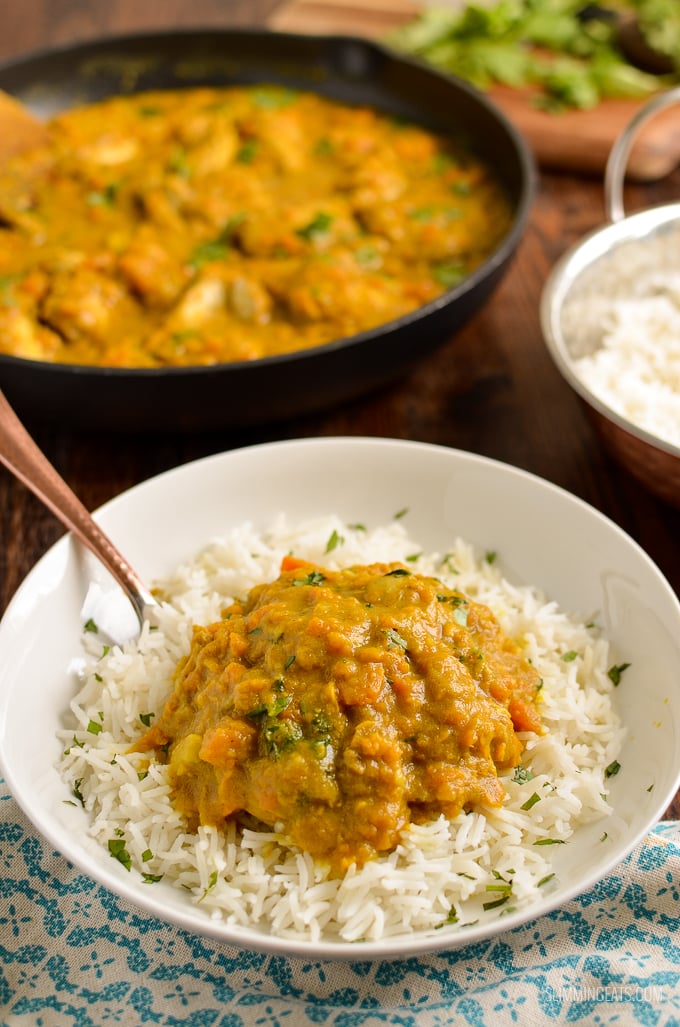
(201, 301)
(297, 228)
(153, 273)
(341, 290)
(87, 308)
(110, 149)
(22, 336)
(215, 154)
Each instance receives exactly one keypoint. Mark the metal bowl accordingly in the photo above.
(572, 324)
(247, 392)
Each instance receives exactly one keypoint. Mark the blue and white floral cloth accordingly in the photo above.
(74, 955)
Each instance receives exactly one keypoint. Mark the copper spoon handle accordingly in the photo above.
(20, 454)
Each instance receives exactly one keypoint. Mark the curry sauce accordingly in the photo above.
(207, 225)
(339, 706)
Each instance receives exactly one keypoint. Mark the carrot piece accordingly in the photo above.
(292, 563)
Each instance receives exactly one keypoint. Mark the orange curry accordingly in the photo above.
(207, 225)
(338, 706)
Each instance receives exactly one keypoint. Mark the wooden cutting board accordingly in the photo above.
(571, 141)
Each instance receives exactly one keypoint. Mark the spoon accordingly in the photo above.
(22, 456)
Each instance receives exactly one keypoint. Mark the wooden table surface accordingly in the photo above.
(491, 390)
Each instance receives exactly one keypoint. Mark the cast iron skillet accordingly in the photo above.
(249, 392)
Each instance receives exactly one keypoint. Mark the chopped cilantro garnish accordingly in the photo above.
(614, 673)
(394, 639)
(313, 578)
(319, 225)
(118, 851)
(334, 540)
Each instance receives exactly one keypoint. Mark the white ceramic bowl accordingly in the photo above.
(543, 536)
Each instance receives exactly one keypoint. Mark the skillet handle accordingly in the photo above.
(615, 171)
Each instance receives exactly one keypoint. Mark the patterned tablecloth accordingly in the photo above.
(71, 953)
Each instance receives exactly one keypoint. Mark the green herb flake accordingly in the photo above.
(146, 718)
(334, 540)
(531, 801)
(550, 841)
(495, 903)
(94, 727)
(313, 578)
(569, 656)
(105, 197)
(147, 855)
(398, 572)
(151, 878)
(504, 887)
(613, 769)
(401, 513)
(394, 639)
(614, 673)
(90, 626)
(449, 274)
(212, 881)
(257, 711)
(544, 880)
(324, 147)
(318, 226)
(248, 152)
(491, 556)
(273, 98)
(447, 562)
(460, 615)
(118, 850)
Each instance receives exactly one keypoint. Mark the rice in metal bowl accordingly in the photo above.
(480, 866)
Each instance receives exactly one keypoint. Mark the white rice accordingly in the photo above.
(442, 872)
(622, 325)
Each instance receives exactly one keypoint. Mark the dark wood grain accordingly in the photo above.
(492, 389)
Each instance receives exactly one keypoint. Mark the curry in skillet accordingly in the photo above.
(209, 225)
(339, 706)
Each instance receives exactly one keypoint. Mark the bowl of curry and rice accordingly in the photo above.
(384, 715)
(213, 229)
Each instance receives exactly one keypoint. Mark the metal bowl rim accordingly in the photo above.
(598, 243)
